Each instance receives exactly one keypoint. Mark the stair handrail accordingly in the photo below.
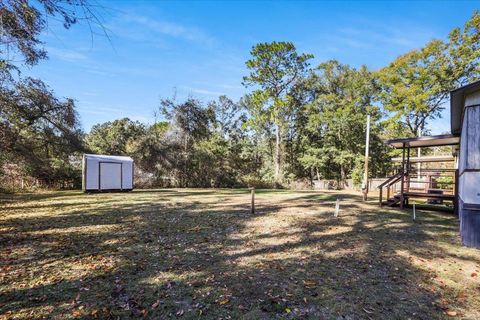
(392, 180)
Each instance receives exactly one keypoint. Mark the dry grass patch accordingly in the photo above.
(201, 254)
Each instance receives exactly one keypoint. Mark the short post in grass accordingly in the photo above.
(337, 207)
(414, 213)
(252, 192)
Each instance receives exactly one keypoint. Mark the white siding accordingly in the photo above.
(103, 172)
(469, 181)
(110, 175)
(127, 175)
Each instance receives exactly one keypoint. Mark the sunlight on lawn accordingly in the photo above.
(195, 252)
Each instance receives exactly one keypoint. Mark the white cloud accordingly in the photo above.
(143, 119)
(101, 73)
(371, 35)
(66, 55)
(106, 111)
(205, 92)
(228, 86)
(171, 29)
(89, 93)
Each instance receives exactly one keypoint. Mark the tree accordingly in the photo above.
(22, 22)
(274, 68)
(37, 130)
(152, 154)
(416, 85)
(227, 143)
(336, 119)
(114, 137)
(228, 116)
(190, 123)
(464, 52)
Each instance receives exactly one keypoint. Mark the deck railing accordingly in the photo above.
(430, 181)
(426, 180)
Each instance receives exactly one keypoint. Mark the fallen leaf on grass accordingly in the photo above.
(367, 311)
(309, 284)
(155, 305)
(451, 313)
(76, 313)
(461, 297)
(474, 274)
(223, 301)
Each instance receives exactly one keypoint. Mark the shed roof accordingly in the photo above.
(104, 157)
(457, 100)
(426, 141)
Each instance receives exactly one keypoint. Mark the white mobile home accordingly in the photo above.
(107, 173)
(465, 122)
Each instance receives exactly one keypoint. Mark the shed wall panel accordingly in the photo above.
(91, 174)
(127, 176)
(110, 176)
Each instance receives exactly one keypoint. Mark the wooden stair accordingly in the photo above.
(393, 201)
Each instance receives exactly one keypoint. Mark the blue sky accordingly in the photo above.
(158, 49)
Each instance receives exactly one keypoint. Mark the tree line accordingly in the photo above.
(296, 123)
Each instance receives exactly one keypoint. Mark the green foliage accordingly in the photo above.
(38, 131)
(336, 120)
(445, 182)
(464, 51)
(416, 85)
(114, 137)
(297, 123)
(275, 68)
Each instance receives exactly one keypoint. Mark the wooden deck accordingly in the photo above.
(424, 195)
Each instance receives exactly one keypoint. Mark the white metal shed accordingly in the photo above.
(107, 173)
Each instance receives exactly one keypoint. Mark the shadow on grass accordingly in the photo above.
(143, 254)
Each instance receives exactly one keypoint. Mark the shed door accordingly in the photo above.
(110, 176)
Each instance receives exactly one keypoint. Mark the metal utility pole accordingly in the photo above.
(365, 174)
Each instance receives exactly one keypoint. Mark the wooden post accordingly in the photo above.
(337, 208)
(380, 197)
(408, 168)
(252, 192)
(365, 174)
(402, 199)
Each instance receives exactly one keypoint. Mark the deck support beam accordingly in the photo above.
(402, 199)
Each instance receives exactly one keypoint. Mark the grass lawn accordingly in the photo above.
(184, 253)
